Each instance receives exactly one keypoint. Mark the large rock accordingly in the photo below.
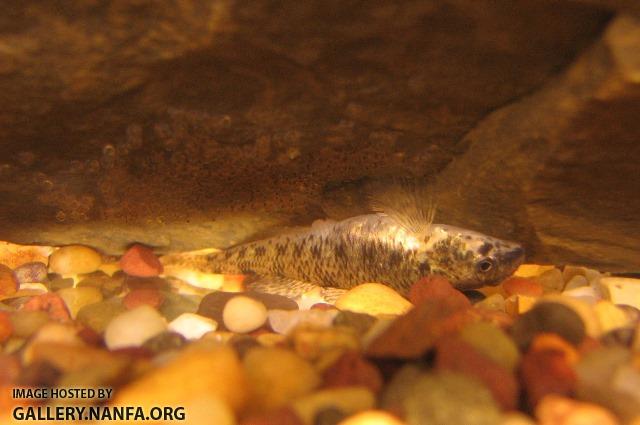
(211, 122)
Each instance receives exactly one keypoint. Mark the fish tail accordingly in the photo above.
(206, 260)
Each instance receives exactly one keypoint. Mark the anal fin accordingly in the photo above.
(294, 289)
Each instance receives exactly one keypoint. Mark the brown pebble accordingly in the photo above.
(138, 297)
(284, 416)
(8, 281)
(351, 369)
(140, 261)
(522, 286)
(436, 287)
(6, 328)
(51, 303)
(133, 282)
(457, 355)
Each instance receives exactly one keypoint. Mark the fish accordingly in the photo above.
(395, 245)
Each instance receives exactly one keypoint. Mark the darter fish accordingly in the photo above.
(395, 246)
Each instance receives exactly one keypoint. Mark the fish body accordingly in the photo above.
(370, 248)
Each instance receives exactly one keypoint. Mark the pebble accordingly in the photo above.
(146, 296)
(554, 342)
(25, 322)
(53, 304)
(97, 316)
(495, 302)
(6, 327)
(436, 287)
(108, 285)
(586, 294)
(329, 416)
(198, 375)
(164, 341)
(76, 298)
(140, 261)
(548, 317)
(132, 328)
(74, 259)
(360, 322)
(323, 344)
(531, 270)
(285, 321)
(493, 343)
(438, 398)
(175, 304)
(551, 280)
(374, 299)
(622, 290)
(213, 304)
(348, 400)
(558, 410)
(546, 372)
(412, 335)
(372, 417)
(456, 355)
(610, 316)
(243, 314)
(276, 376)
(570, 272)
(620, 336)
(31, 272)
(8, 282)
(522, 286)
(284, 416)
(352, 369)
(519, 304)
(577, 281)
(58, 282)
(13, 255)
(192, 326)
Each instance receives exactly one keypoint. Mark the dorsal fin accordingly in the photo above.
(408, 201)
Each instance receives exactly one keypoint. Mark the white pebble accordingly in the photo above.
(132, 328)
(583, 293)
(284, 321)
(192, 326)
(243, 314)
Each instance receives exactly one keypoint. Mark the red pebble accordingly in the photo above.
(6, 327)
(51, 303)
(546, 372)
(140, 261)
(143, 296)
(522, 286)
(352, 369)
(8, 282)
(436, 287)
(458, 356)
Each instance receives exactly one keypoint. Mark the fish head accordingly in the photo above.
(470, 259)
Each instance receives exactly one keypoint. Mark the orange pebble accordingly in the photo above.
(522, 286)
(51, 303)
(554, 342)
(140, 261)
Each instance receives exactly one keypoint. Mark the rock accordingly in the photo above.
(132, 328)
(548, 317)
(456, 355)
(108, 285)
(351, 369)
(411, 335)
(531, 270)
(371, 417)
(243, 343)
(6, 326)
(444, 398)
(243, 314)
(493, 302)
(140, 261)
(600, 374)
(137, 297)
(620, 336)
(329, 416)
(213, 304)
(97, 316)
(8, 282)
(492, 342)
(58, 282)
(400, 387)
(569, 273)
(553, 342)
(76, 298)
(522, 286)
(165, 341)
(436, 287)
(75, 357)
(516, 305)
(175, 304)
(551, 280)
(347, 400)
(276, 376)
(558, 410)
(25, 322)
(53, 304)
(192, 326)
(622, 290)
(30, 289)
(546, 372)
(207, 376)
(74, 259)
(136, 282)
(284, 416)
(577, 281)
(584, 309)
(374, 299)
(13, 255)
(611, 317)
(586, 294)
(323, 344)
(360, 322)
(285, 321)
(31, 272)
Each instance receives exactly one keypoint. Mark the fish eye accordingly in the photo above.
(485, 265)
